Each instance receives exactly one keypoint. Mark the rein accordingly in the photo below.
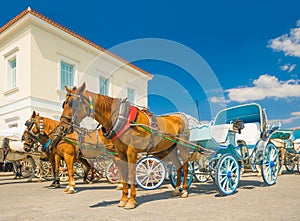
(168, 136)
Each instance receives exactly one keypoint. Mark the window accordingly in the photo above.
(131, 95)
(103, 85)
(12, 73)
(67, 75)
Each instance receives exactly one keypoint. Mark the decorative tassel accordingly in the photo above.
(41, 126)
(91, 106)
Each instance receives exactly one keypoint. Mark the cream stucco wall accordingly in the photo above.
(39, 48)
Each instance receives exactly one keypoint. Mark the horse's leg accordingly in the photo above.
(69, 159)
(56, 170)
(16, 169)
(123, 169)
(38, 164)
(87, 168)
(173, 156)
(31, 160)
(132, 158)
(185, 157)
(117, 161)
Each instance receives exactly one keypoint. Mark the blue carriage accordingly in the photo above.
(288, 145)
(236, 141)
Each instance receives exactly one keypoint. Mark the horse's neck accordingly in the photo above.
(103, 107)
(49, 125)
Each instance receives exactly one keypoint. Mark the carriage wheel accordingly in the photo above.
(46, 170)
(200, 175)
(227, 175)
(63, 171)
(27, 167)
(289, 163)
(270, 164)
(173, 175)
(150, 173)
(112, 174)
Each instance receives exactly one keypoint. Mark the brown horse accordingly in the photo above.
(159, 136)
(41, 130)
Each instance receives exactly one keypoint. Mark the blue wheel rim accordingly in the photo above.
(270, 164)
(227, 175)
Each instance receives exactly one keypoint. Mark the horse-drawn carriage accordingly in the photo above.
(236, 140)
(288, 144)
(11, 150)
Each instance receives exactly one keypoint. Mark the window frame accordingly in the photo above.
(75, 71)
(108, 80)
(134, 94)
(11, 81)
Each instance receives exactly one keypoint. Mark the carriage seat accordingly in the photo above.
(249, 135)
(220, 132)
(297, 145)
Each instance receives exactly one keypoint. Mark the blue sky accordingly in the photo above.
(251, 47)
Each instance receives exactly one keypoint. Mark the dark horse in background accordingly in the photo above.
(129, 140)
(66, 148)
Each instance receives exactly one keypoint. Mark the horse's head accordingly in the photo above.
(28, 141)
(75, 108)
(33, 125)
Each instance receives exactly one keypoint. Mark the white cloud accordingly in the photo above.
(288, 67)
(284, 67)
(266, 86)
(288, 43)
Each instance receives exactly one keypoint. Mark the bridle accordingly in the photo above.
(29, 140)
(76, 102)
(40, 137)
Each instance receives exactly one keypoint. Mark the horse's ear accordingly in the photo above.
(67, 89)
(81, 88)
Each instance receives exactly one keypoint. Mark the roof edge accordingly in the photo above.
(74, 34)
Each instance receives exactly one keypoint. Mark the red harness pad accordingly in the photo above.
(131, 117)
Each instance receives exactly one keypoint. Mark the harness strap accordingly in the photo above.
(46, 145)
(154, 124)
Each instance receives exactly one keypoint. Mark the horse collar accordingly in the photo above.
(125, 115)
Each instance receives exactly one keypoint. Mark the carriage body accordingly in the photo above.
(237, 139)
(288, 144)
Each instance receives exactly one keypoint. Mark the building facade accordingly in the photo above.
(38, 57)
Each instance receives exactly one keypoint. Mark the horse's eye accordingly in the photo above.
(63, 105)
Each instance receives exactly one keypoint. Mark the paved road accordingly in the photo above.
(36, 201)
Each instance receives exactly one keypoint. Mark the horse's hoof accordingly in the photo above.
(66, 189)
(91, 182)
(28, 181)
(130, 205)
(57, 185)
(122, 203)
(40, 180)
(70, 191)
(175, 193)
(119, 187)
(184, 194)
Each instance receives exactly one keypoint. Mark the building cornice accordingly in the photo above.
(67, 33)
